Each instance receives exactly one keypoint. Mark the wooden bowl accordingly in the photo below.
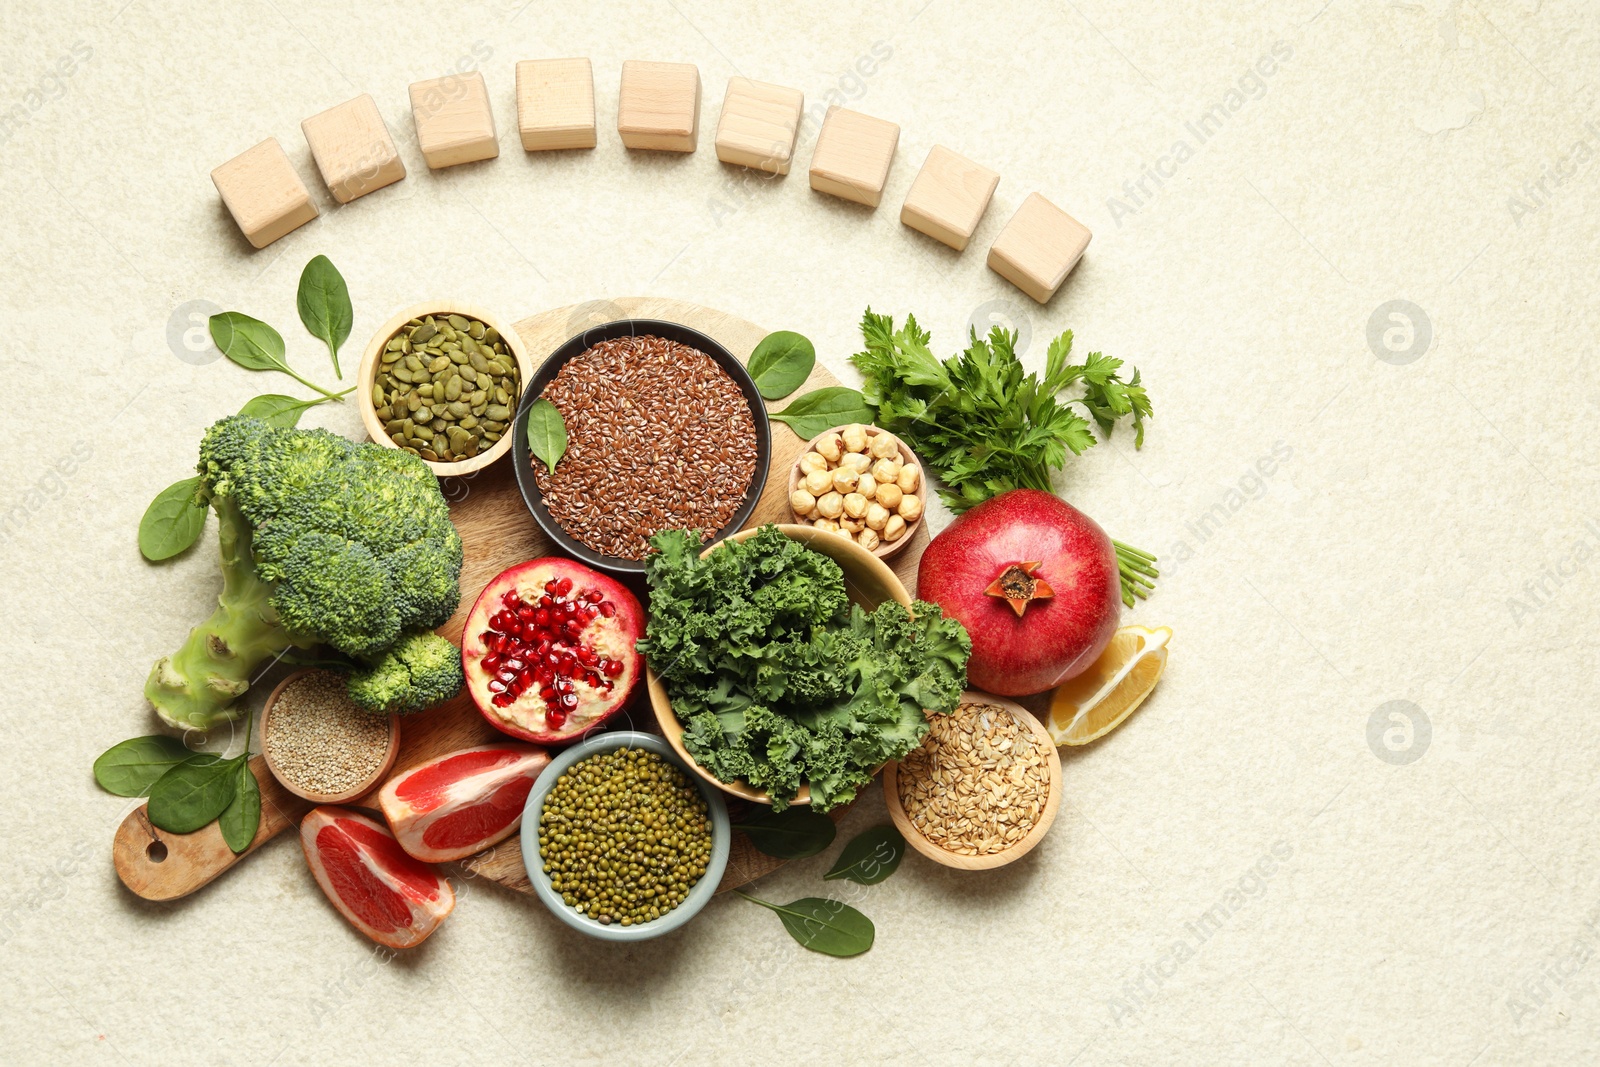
(368, 374)
(323, 798)
(902, 822)
(887, 548)
(867, 580)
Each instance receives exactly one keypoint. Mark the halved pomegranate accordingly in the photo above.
(385, 894)
(462, 802)
(548, 650)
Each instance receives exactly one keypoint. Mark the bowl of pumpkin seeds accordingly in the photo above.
(442, 381)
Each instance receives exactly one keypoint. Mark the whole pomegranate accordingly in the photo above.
(1034, 580)
(548, 650)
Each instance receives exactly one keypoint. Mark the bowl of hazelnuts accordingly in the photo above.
(859, 482)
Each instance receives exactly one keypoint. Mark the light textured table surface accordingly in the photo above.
(1428, 532)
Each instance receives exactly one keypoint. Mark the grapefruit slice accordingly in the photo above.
(1102, 697)
(383, 892)
(462, 802)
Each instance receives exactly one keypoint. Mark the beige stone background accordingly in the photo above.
(1425, 533)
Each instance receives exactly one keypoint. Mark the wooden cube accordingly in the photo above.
(852, 157)
(759, 124)
(1038, 248)
(353, 149)
(555, 104)
(454, 121)
(948, 197)
(659, 106)
(263, 193)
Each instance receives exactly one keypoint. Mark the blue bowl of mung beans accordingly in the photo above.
(636, 841)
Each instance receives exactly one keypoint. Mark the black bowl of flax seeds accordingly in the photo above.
(665, 431)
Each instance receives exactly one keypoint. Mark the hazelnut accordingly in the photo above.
(877, 515)
(889, 495)
(830, 446)
(884, 447)
(802, 502)
(867, 486)
(886, 470)
(855, 461)
(855, 437)
(845, 479)
(812, 461)
(894, 528)
(851, 526)
(867, 539)
(827, 525)
(855, 505)
(910, 475)
(818, 482)
(830, 505)
(910, 508)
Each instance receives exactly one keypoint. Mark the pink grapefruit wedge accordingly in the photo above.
(383, 892)
(462, 802)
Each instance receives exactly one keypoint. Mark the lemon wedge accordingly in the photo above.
(1098, 700)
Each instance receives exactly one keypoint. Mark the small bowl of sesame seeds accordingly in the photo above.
(665, 430)
(981, 790)
(320, 744)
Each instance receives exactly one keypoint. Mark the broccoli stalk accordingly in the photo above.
(324, 542)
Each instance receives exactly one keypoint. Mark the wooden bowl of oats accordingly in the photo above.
(982, 789)
(465, 363)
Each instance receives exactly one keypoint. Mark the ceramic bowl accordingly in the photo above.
(699, 896)
(886, 548)
(368, 373)
(868, 581)
(323, 798)
(610, 331)
(937, 853)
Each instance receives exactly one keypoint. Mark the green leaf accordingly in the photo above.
(193, 793)
(131, 767)
(781, 363)
(239, 820)
(324, 302)
(254, 345)
(821, 925)
(275, 409)
(172, 522)
(870, 857)
(547, 432)
(791, 834)
(822, 409)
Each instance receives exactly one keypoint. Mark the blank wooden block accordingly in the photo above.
(852, 157)
(659, 106)
(454, 121)
(758, 125)
(353, 149)
(263, 193)
(949, 196)
(1038, 248)
(555, 104)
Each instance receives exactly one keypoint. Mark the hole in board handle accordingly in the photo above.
(157, 851)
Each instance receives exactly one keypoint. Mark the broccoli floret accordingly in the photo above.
(417, 672)
(324, 542)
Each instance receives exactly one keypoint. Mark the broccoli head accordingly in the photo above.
(324, 542)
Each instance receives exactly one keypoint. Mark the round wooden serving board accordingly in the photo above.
(498, 532)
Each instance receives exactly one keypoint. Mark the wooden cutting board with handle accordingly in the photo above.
(497, 532)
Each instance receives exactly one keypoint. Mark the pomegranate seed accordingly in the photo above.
(548, 693)
(501, 700)
(612, 668)
(569, 700)
(592, 678)
(608, 609)
(514, 663)
(594, 596)
(564, 586)
(491, 662)
(556, 718)
(543, 675)
(497, 685)
(551, 585)
(587, 657)
(542, 616)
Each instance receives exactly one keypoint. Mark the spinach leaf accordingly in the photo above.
(821, 925)
(254, 345)
(324, 302)
(193, 793)
(172, 522)
(275, 409)
(240, 819)
(131, 767)
(547, 432)
(791, 834)
(781, 363)
(820, 410)
(870, 857)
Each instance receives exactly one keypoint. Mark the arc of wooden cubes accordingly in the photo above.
(658, 110)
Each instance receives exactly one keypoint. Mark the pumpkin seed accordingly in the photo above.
(476, 329)
(422, 333)
(498, 412)
(452, 389)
